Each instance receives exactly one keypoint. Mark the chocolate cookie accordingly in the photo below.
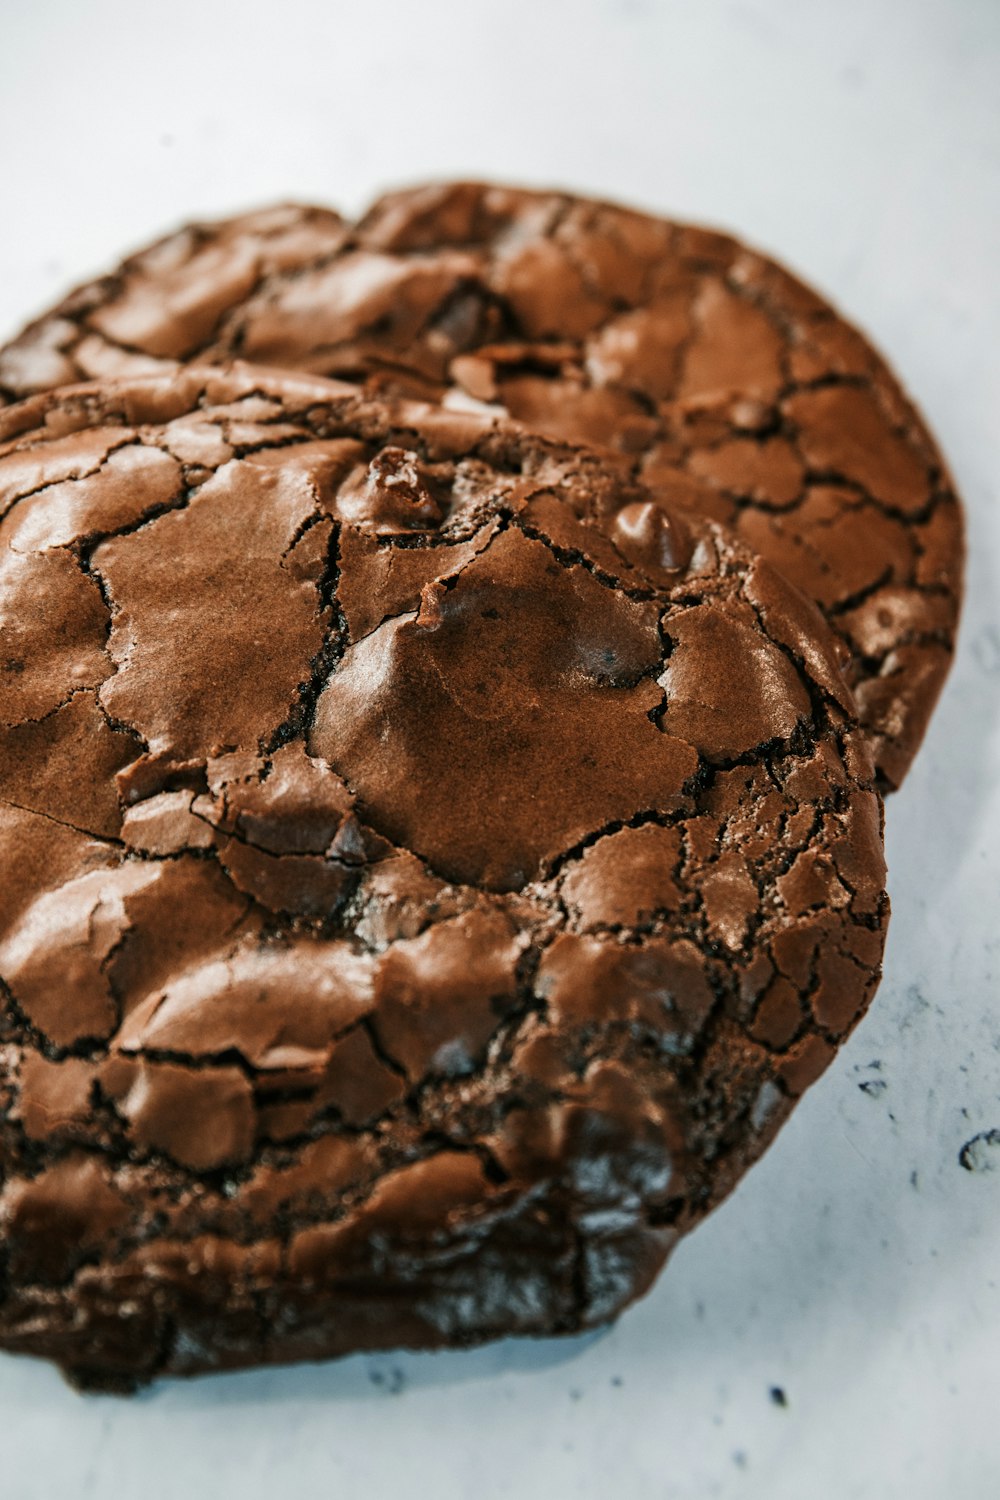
(709, 370)
(432, 871)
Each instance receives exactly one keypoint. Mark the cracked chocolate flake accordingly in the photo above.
(431, 871)
(703, 367)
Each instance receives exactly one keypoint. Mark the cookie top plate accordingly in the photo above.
(432, 870)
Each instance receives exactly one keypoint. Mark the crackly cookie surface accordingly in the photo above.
(431, 871)
(709, 370)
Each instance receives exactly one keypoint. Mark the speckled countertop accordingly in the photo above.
(834, 1330)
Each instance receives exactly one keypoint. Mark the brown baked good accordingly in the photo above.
(431, 872)
(707, 368)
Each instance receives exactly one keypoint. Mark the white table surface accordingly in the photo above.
(858, 1268)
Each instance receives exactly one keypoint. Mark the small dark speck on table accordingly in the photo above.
(873, 1087)
(778, 1396)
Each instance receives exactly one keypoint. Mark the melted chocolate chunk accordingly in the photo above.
(431, 871)
(515, 706)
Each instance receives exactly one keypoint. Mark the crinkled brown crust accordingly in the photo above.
(272, 1085)
(712, 372)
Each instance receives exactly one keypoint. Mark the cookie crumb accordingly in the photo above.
(982, 1152)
